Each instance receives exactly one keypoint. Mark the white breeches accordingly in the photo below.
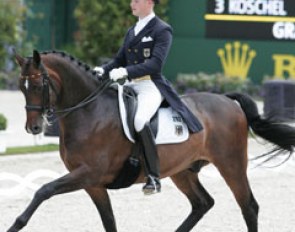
(149, 100)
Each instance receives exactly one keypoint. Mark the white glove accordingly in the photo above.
(99, 70)
(118, 73)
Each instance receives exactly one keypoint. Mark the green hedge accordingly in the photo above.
(3, 122)
(215, 83)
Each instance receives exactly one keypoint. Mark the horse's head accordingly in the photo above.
(34, 83)
(55, 80)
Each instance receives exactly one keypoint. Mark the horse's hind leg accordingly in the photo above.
(234, 172)
(188, 182)
(102, 202)
(68, 183)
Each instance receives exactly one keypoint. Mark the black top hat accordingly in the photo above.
(156, 1)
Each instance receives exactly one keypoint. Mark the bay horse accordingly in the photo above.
(94, 148)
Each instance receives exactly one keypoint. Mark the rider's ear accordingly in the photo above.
(36, 58)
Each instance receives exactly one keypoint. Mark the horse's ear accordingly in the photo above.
(20, 60)
(36, 58)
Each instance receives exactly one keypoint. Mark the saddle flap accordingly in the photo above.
(167, 125)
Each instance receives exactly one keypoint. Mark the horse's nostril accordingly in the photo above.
(36, 129)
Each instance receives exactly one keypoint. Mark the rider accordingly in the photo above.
(140, 60)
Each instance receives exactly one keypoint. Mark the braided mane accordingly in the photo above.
(73, 60)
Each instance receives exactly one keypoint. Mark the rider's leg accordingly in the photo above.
(149, 100)
(151, 159)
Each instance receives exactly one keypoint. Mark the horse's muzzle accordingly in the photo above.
(34, 128)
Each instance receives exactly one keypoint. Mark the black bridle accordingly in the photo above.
(47, 109)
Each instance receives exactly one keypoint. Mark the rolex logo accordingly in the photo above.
(236, 59)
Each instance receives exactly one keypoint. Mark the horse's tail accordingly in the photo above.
(280, 134)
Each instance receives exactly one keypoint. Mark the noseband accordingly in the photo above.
(45, 108)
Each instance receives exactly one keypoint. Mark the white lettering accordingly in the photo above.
(289, 30)
(219, 6)
(260, 7)
(251, 8)
(257, 7)
(284, 30)
(280, 8)
(278, 30)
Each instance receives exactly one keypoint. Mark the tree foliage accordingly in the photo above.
(102, 26)
(12, 15)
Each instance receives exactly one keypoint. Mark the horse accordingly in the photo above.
(95, 150)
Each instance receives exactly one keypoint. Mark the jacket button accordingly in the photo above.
(129, 50)
(135, 50)
(135, 62)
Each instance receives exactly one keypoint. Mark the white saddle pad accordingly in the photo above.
(171, 128)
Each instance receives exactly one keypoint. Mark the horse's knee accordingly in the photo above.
(44, 193)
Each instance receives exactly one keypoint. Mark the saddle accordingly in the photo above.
(167, 125)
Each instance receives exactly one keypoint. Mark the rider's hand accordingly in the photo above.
(99, 70)
(118, 73)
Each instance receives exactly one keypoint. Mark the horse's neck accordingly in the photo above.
(99, 116)
(76, 84)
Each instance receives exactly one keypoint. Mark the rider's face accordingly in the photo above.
(141, 8)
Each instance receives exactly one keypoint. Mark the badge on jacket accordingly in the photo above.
(146, 52)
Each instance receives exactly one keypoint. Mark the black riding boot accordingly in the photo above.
(151, 159)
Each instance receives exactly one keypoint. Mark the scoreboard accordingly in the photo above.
(251, 39)
(251, 19)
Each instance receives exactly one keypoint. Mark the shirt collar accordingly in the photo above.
(147, 18)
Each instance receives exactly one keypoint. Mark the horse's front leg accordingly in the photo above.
(73, 181)
(101, 199)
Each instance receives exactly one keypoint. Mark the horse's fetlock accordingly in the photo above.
(20, 222)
